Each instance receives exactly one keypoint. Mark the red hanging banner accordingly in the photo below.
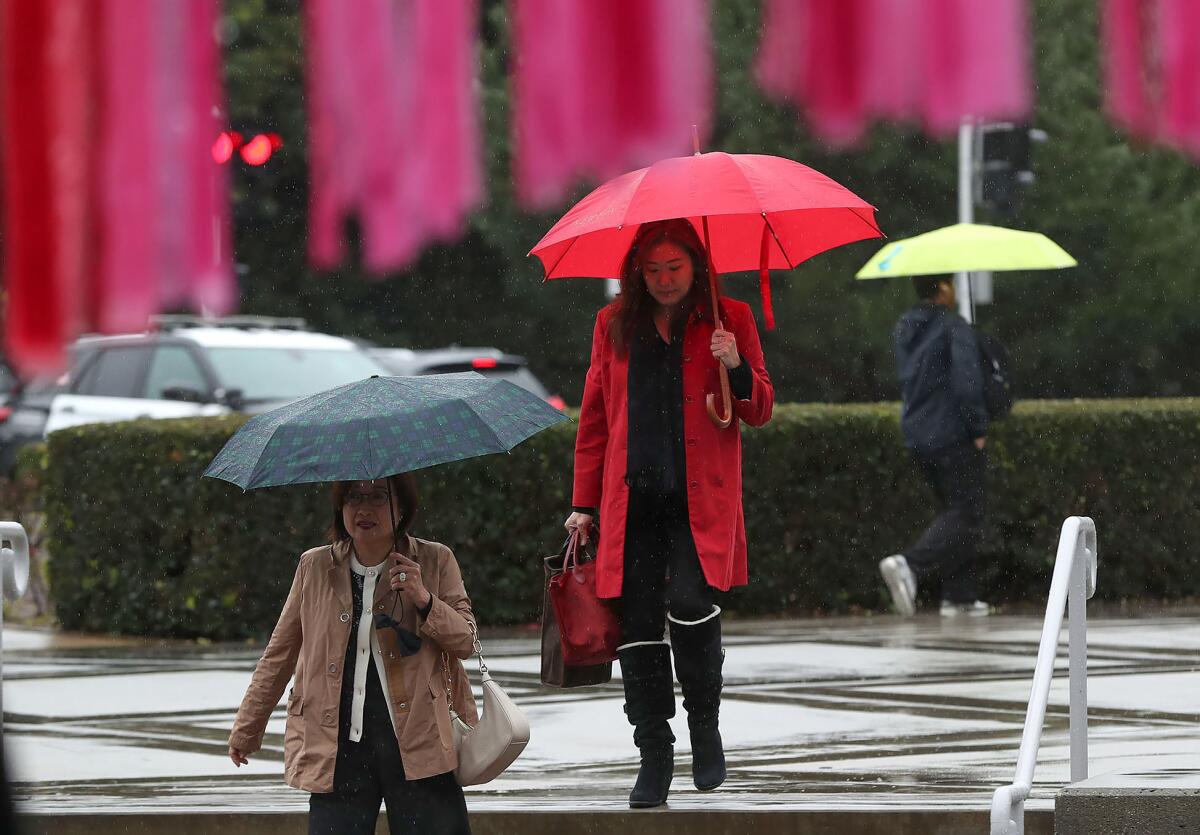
(114, 206)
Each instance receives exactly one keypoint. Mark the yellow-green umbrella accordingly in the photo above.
(967, 247)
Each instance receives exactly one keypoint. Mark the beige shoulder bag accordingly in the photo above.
(499, 737)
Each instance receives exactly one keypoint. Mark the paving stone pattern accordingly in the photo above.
(840, 714)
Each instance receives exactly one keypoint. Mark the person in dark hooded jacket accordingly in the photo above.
(944, 422)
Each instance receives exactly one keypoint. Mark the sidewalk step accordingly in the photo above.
(560, 822)
(1157, 796)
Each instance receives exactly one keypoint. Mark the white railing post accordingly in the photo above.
(1083, 586)
(1074, 578)
(14, 577)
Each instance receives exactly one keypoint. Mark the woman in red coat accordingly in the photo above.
(668, 486)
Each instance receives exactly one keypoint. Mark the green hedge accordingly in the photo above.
(142, 545)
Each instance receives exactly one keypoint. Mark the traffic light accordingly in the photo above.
(227, 142)
(257, 151)
(1006, 164)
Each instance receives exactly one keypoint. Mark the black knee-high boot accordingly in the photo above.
(698, 660)
(649, 704)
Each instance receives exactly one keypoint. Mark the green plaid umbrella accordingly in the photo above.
(379, 427)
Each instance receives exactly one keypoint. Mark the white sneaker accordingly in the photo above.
(901, 583)
(978, 609)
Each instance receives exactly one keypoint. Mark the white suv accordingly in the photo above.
(188, 367)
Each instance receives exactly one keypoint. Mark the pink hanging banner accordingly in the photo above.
(1152, 69)
(129, 157)
(393, 126)
(600, 88)
(935, 62)
(164, 239)
(382, 106)
(549, 125)
(114, 206)
(894, 87)
(1180, 49)
(445, 122)
(976, 63)
(333, 177)
(205, 260)
(72, 53)
(834, 73)
(1124, 31)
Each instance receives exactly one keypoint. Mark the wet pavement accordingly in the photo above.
(838, 715)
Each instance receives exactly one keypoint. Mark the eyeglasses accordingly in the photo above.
(376, 498)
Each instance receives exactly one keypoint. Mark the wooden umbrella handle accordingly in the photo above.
(724, 418)
(710, 401)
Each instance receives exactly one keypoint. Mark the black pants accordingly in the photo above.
(949, 544)
(370, 771)
(662, 569)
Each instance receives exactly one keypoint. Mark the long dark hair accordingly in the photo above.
(635, 305)
(403, 487)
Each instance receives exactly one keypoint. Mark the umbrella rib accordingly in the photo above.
(621, 225)
(787, 258)
(632, 195)
(766, 220)
(873, 226)
(472, 402)
(560, 258)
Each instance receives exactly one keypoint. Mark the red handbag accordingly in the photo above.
(590, 626)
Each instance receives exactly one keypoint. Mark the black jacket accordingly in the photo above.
(941, 379)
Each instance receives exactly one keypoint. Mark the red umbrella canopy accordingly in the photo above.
(756, 205)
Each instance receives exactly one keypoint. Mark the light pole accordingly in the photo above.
(967, 134)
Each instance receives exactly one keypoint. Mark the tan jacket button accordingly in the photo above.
(333, 668)
(345, 617)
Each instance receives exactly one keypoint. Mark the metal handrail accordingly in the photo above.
(1073, 583)
(14, 577)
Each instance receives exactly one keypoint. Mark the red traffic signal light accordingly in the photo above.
(223, 148)
(259, 149)
(255, 152)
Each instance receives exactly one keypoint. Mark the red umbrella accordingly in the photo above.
(753, 212)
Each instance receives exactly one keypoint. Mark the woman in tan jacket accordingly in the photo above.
(368, 717)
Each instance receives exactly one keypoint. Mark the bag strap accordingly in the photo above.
(571, 551)
(477, 647)
(449, 684)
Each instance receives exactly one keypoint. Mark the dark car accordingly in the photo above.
(23, 418)
(490, 362)
(25, 407)
(10, 385)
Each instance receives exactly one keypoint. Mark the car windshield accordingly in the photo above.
(266, 374)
